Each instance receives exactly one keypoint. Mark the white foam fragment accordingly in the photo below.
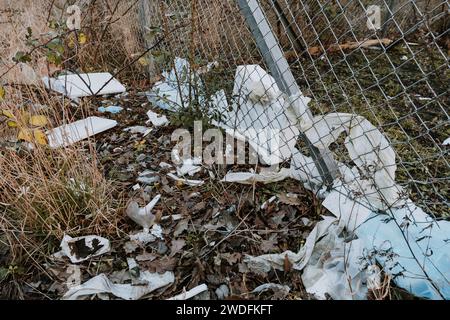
(156, 119)
(76, 86)
(66, 135)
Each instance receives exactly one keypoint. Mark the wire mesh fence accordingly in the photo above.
(352, 95)
(388, 65)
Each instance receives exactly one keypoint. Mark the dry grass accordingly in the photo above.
(45, 193)
(49, 193)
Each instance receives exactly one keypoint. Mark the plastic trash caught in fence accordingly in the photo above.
(259, 101)
(409, 244)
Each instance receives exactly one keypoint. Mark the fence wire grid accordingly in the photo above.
(395, 74)
(376, 73)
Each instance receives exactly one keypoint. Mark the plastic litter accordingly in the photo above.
(336, 268)
(110, 109)
(192, 183)
(148, 177)
(80, 249)
(190, 167)
(446, 142)
(148, 282)
(66, 135)
(252, 177)
(281, 290)
(222, 292)
(266, 203)
(302, 168)
(259, 102)
(368, 149)
(156, 119)
(190, 293)
(86, 84)
(264, 263)
(250, 119)
(139, 129)
(329, 264)
(410, 245)
(143, 216)
(173, 92)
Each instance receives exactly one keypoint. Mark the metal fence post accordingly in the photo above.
(279, 67)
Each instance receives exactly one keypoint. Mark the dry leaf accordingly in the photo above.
(143, 61)
(38, 121)
(181, 227)
(314, 51)
(287, 264)
(161, 265)
(176, 246)
(28, 135)
(40, 137)
(289, 198)
(269, 245)
(25, 134)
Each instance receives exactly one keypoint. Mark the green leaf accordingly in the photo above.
(56, 45)
(29, 33)
(22, 57)
(54, 58)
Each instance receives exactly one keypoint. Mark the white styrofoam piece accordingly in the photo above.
(85, 84)
(71, 133)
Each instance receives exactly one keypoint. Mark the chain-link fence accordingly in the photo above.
(355, 95)
(385, 61)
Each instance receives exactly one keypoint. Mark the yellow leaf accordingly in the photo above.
(82, 38)
(25, 134)
(71, 44)
(38, 121)
(2, 93)
(11, 124)
(7, 114)
(143, 61)
(40, 137)
(28, 135)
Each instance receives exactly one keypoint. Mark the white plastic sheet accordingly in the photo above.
(189, 166)
(368, 149)
(411, 245)
(335, 268)
(189, 182)
(190, 293)
(148, 282)
(330, 266)
(446, 142)
(173, 92)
